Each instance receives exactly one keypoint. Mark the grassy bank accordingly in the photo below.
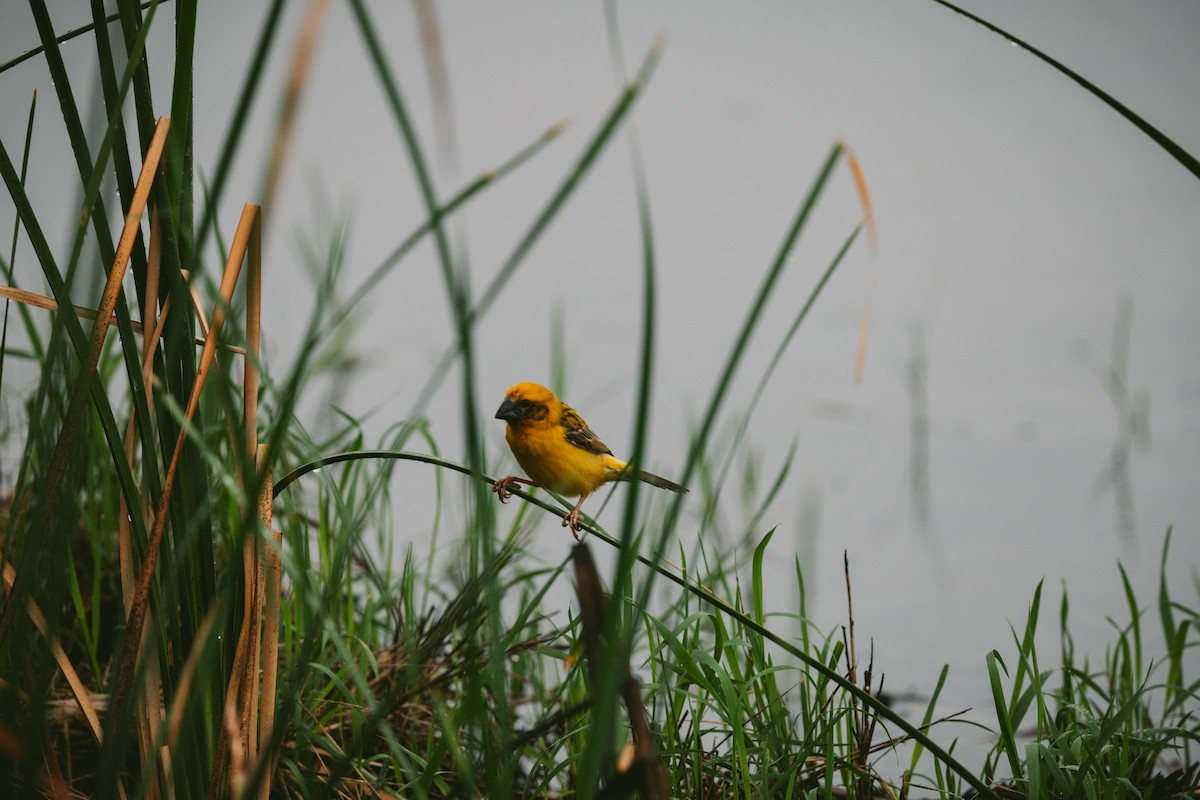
(202, 598)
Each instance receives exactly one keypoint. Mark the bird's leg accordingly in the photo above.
(503, 487)
(572, 517)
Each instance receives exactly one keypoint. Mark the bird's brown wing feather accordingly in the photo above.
(579, 434)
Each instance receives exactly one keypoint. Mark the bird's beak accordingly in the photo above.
(507, 411)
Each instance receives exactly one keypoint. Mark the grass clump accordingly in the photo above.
(1128, 726)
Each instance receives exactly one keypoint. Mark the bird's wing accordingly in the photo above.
(579, 434)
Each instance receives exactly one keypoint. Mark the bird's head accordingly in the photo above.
(528, 402)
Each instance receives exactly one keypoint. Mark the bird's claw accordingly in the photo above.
(503, 488)
(572, 520)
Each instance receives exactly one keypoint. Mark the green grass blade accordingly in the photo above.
(64, 37)
(401, 250)
(1189, 162)
(236, 131)
(918, 748)
(31, 331)
(750, 323)
(92, 174)
(180, 146)
(75, 331)
(757, 572)
(1170, 629)
(582, 166)
(777, 356)
(700, 440)
(498, 763)
(1008, 742)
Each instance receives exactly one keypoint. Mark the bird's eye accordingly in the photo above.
(524, 404)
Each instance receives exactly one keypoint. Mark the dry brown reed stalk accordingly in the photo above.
(864, 723)
(250, 377)
(164, 771)
(438, 75)
(237, 740)
(50, 304)
(141, 600)
(53, 782)
(63, 447)
(197, 305)
(252, 545)
(103, 316)
(250, 416)
(83, 698)
(240, 732)
(270, 591)
(184, 687)
(150, 713)
(133, 224)
(868, 221)
(298, 72)
(645, 772)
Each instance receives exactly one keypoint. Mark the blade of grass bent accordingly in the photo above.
(1189, 162)
(876, 705)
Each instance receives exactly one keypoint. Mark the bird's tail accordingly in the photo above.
(661, 483)
(620, 471)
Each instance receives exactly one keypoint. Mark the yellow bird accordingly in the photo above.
(558, 451)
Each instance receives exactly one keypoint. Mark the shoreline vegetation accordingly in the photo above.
(201, 595)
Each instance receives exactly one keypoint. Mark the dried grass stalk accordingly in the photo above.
(270, 648)
(141, 600)
(83, 698)
(83, 312)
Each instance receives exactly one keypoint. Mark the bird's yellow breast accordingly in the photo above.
(556, 464)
